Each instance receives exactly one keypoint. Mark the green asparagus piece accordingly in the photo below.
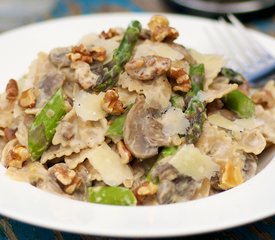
(239, 103)
(165, 152)
(120, 57)
(196, 74)
(42, 130)
(115, 130)
(111, 195)
(177, 101)
(168, 151)
(233, 76)
(195, 111)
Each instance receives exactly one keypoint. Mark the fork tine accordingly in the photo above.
(254, 45)
(263, 62)
(231, 48)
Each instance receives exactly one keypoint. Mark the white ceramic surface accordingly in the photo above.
(248, 202)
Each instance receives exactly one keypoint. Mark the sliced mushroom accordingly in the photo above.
(250, 166)
(48, 85)
(181, 49)
(58, 57)
(142, 132)
(182, 188)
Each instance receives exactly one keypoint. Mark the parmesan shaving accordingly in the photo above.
(88, 106)
(220, 121)
(174, 122)
(108, 164)
(191, 162)
(236, 125)
(212, 64)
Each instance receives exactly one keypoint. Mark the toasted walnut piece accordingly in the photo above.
(63, 174)
(17, 156)
(27, 98)
(124, 153)
(111, 103)
(80, 53)
(180, 76)
(185, 86)
(88, 55)
(160, 30)
(98, 54)
(263, 98)
(9, 134)
(75, 184)
(12, 90)
(147, 188)
(67, 178)
(147, 68)
(112, 32)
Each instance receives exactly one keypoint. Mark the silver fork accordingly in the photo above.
(243, 52)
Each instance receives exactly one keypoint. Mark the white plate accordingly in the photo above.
(248, 202)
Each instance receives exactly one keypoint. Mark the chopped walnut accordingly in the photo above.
(147, 68)
(112, 32)
(160, 30)
(124, 153)
(27, 98)
(266, 96)
(83, 74)
(179, 75)
(88, 55)
(75, 184)
(9, 134)
(12, 90)
(98, 53)
(147, 188)
(66, 177)
(80, 53)
(111, 103)
(17, 156)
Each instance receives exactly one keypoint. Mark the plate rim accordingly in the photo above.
(134, 232)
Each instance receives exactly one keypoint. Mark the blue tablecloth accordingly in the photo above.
(11, 229)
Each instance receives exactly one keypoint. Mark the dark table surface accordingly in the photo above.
(12, 230)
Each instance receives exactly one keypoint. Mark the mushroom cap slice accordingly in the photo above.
(142, 132)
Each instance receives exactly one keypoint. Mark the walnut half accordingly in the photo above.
(27, 98)
(67, 178)
(17, 156)
(160, 29)
(12, 90)
(111, 103)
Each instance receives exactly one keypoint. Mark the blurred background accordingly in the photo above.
(259, 14)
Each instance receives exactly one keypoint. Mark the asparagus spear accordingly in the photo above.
(115, 130)
(42, 130)
(195, 111)
(120, 57)
(177, 101)
(165, 152)
(233, 76)
(111, 195)
(239, 103)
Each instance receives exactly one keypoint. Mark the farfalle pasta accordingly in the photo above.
(130, 117)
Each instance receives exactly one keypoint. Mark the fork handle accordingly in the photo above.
(262, 75)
